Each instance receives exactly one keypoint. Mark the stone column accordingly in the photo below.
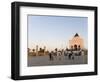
(36, 50)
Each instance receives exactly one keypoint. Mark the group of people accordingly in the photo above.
(62, 53)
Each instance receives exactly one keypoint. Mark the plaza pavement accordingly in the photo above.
(63, 60)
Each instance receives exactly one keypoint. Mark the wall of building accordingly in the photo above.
(76, 41)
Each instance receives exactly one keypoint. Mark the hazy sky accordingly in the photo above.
(55, 31)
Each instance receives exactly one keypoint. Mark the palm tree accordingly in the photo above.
(33, 50)
(34, 54)
(40, 49)
(56, 49)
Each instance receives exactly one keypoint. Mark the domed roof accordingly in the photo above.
(76, 35)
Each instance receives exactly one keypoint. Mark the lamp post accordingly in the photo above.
(44, 49)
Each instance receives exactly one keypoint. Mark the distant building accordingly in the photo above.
(76, 42)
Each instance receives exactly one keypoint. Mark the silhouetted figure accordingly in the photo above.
(79, 53)
(70, 56)
(59, 55)
(56, 50)
(66, 52)
(73, 57)
(51, 56)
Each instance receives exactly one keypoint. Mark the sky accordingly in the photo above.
(55, 31)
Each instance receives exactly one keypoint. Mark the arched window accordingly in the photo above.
(79, 47)
(71, 47)
(75, 47)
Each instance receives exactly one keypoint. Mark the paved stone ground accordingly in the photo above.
(64, 60)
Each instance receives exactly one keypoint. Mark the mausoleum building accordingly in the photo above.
(76, 42)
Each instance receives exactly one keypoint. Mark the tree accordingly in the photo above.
(33, 50)
(56, 49)
(40, 49)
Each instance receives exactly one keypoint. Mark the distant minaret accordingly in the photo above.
(44, 49)
(36, 50)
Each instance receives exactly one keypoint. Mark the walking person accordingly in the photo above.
(62, 54)
(59, 55)
(56, 53)
(66, 52)
(70, 54)
(51, 56)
